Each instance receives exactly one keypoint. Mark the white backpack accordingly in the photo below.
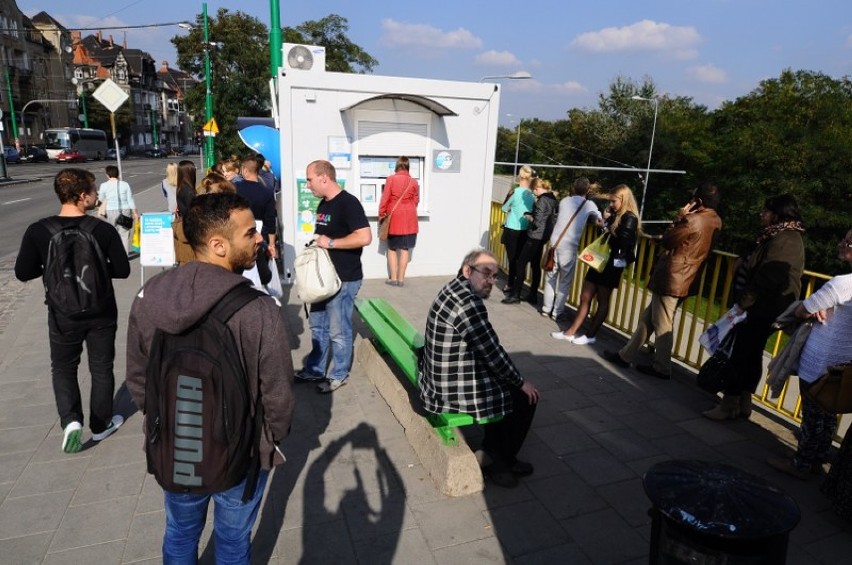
(316, 277)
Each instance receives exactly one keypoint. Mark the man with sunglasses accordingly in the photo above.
(464, 369)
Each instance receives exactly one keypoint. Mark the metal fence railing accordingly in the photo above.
(693, 316)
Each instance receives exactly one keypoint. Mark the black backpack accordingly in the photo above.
(76, 277)
(200, 435)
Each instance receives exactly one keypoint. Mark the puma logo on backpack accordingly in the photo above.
(76, 277)
(201, 436)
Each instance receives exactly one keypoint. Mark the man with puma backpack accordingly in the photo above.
(208, 365)
(77, 257)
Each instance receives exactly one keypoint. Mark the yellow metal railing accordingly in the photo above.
(694, 315)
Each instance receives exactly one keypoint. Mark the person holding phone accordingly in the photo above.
(686, 244)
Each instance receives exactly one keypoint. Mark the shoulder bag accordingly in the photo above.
(123, 220)
(833, 390)
(715, 373)
(596, 254)
(384, 223)
(549, 262)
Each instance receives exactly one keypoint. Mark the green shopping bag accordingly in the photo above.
(596, 254)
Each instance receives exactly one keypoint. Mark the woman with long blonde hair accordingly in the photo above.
(518, 204)
(621, 220)
(169, 186)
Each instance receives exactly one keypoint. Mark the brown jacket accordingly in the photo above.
(687, 243)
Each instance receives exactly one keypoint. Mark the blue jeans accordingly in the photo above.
(331, 324)
(232, 524)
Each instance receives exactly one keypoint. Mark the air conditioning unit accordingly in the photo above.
(303, 57)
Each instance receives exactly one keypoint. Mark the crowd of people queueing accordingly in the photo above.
(767, 282)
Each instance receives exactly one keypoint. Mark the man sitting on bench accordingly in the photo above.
(465, 369)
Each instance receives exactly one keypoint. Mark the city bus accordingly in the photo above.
(90, 142)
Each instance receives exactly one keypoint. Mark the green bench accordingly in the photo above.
(395, 336)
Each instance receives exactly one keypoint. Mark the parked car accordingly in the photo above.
(70, 156)
(12, 155)
(156, 153)
(111, 152)
(34, 154)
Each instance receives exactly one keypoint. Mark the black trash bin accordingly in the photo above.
(708, 513)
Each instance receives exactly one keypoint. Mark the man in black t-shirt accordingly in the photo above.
(262, 202)
(343, 229)
(78, 194)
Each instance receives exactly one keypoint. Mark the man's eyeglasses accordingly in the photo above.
(488, 275)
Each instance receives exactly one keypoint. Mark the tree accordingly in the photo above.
(791, 135)
(240, 75)
(99, 118)
(341, 55)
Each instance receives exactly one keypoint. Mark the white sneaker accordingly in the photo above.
(113, 426)
(71, 437)
(584, 340)
(561, 336)
(330, 385)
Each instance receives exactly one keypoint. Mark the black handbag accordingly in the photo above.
(716, 373)
(833, 390)
(124, 221)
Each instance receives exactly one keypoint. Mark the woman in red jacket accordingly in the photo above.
(399, 201)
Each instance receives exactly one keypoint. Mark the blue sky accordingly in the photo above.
(710, 50)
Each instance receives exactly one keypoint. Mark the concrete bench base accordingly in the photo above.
(453, 469)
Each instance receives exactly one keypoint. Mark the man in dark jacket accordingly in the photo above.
(686, 243)
(466, 370)
(78, 195)
(222, 232)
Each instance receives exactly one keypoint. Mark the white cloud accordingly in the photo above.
(647, 35)
(708, 73)
(494, 58)
(570, 87)
(398, 34)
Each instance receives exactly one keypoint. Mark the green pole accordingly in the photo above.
(85, 112)
(11, 104)
(208, 97)
(275, 38)
(154, 137)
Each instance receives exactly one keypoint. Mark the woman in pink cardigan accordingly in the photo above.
(399, 201)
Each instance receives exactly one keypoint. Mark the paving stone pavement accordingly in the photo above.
(353, 490)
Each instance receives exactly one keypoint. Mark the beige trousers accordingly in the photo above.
(657, 318)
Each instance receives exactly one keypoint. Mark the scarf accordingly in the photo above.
(771, 231)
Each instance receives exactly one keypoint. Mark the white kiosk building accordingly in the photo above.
(362, 124)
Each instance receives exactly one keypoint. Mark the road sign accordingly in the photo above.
(110, 95)
(211, 126)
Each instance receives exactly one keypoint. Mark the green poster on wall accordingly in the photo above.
(306, 207)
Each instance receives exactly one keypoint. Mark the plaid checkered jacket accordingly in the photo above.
(464, 368)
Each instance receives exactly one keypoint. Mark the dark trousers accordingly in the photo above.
(817, 431)
(66, 346)
(513, 240)
(530, 254)
(747, 355)
(503, 439)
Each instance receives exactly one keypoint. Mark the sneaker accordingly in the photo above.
(561, 336)
(330, 385)
(544, 314)
(113, 426)
(522, 468)
(511, 299)
(305, 376)
(500, 476)
(615, 357)
(786, 465)
(584, 340)
(71, 438)
(650, 370)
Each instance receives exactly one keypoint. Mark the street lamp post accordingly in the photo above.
(656, 102)
(517, 144)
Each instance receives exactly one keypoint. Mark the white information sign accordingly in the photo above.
(157, 247)
(110, 95)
